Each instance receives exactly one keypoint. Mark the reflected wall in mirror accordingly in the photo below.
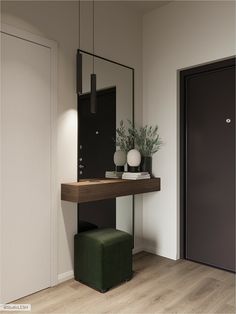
(97, 134)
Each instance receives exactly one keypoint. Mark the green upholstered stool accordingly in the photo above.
(103, 258)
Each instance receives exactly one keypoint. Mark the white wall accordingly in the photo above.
(175, 36)
(122, 42)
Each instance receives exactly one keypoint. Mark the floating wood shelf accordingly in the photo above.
(99, 189)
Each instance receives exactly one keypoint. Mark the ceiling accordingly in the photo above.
(144, 6)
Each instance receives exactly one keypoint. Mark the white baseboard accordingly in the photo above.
(151, 250)
(65, 276)
(137, 250)
(154, 251)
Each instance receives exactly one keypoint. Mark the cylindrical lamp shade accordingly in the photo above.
(120, 160)
(79, 73)
(93, 97)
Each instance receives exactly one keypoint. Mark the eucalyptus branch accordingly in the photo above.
(124, 136)
(146, 139)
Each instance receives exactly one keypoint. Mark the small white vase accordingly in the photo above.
(120, 159)
(134, 158)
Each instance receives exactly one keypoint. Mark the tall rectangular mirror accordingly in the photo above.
(97, 134)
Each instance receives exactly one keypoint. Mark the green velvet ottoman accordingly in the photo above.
(103, 258)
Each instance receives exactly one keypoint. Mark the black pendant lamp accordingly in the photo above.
(93, 80)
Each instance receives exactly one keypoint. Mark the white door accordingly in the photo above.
(26, 167)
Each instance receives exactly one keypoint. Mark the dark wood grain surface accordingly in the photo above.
(100, 189)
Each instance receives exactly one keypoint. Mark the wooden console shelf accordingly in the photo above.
(99, 189)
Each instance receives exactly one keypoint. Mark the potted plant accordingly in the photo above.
(148, 142)
(125, 136)
(145, 139)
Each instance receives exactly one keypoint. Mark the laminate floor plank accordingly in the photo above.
(159, 285)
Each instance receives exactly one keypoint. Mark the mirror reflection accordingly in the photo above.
(97, 136)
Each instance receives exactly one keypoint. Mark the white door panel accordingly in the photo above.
(26, 168)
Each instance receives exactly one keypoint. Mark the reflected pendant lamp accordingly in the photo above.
(93, 81)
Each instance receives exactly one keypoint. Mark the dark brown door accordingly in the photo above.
(210, 164)
(96, 149)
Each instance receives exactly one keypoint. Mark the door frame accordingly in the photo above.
(184, 74)
(55, 193)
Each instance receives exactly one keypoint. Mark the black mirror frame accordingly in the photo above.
(79, 91)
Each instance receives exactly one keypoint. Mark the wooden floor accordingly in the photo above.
(159, 285)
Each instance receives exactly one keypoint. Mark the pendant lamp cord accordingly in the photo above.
(79, 23)
(93, 35)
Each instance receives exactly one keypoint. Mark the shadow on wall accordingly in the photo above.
(69, 213)
(150, 245)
